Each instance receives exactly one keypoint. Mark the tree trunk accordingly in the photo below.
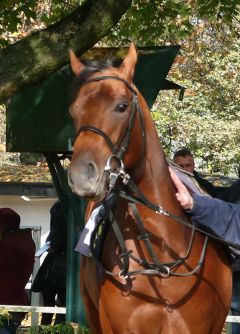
(35, 57)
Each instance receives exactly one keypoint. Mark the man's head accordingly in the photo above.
(184, 159)
(9, 219)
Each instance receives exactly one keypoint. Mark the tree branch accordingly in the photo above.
(35, 57)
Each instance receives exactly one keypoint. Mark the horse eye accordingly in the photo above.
(121, 107)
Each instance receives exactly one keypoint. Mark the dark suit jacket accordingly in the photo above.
(206, 185)
(219, 217)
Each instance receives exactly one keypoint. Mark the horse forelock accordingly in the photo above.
(92, 66)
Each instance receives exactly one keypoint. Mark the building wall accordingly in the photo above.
(33, 213)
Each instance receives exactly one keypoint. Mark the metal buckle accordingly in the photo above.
(161, 211)
(110, 162)
(125, 176)
(115, 168)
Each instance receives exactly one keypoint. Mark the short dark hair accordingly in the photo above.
(183, 152)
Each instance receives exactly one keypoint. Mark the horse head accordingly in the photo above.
(108, 122)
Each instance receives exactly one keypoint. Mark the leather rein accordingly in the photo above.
(134, 196)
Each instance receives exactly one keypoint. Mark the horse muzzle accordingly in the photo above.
(86, 181)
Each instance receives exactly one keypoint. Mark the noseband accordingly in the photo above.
(118, 150)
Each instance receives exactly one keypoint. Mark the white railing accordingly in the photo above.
(62, 310)
(233, 318)
(34, 310)
(38, 309)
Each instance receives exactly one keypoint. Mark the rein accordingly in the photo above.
(150, 268)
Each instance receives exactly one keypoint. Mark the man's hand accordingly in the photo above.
(182, 195)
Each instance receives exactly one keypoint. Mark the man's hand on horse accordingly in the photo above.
(182, 195)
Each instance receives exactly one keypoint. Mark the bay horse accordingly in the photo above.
(150, 276)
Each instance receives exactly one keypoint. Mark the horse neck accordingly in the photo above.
(153, 179)
(153, 175)
(153, 168)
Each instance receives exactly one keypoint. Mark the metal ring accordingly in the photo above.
(107, 168)
(167, 274)
(120, 275)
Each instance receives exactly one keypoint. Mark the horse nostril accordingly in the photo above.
(91, 171)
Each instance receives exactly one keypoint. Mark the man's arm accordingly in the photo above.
(222, 218)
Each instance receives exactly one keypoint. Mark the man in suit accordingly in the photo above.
(185, 160)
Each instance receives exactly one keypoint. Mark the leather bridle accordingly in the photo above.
(120, 149)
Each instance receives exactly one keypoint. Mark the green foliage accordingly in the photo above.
(146, 22)
(64, 328)
(224, 10)
(150, 22)
(208, 119)
(160, 21)
(4, 315)
(18, 18)
(14, 14)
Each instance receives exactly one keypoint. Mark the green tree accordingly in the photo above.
(81, 24)
(39, 54)
(208, 118)
(35, 36)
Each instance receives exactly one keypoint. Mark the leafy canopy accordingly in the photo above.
(19, 18)
(207, 120)
(146, 21)
(170, 21)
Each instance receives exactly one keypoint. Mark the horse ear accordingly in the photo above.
(129, 62)
(76, 65)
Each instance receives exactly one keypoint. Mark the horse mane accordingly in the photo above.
(91, 66)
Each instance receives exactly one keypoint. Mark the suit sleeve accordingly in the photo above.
(219, 217)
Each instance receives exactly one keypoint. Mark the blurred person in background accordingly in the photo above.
(17, 256)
